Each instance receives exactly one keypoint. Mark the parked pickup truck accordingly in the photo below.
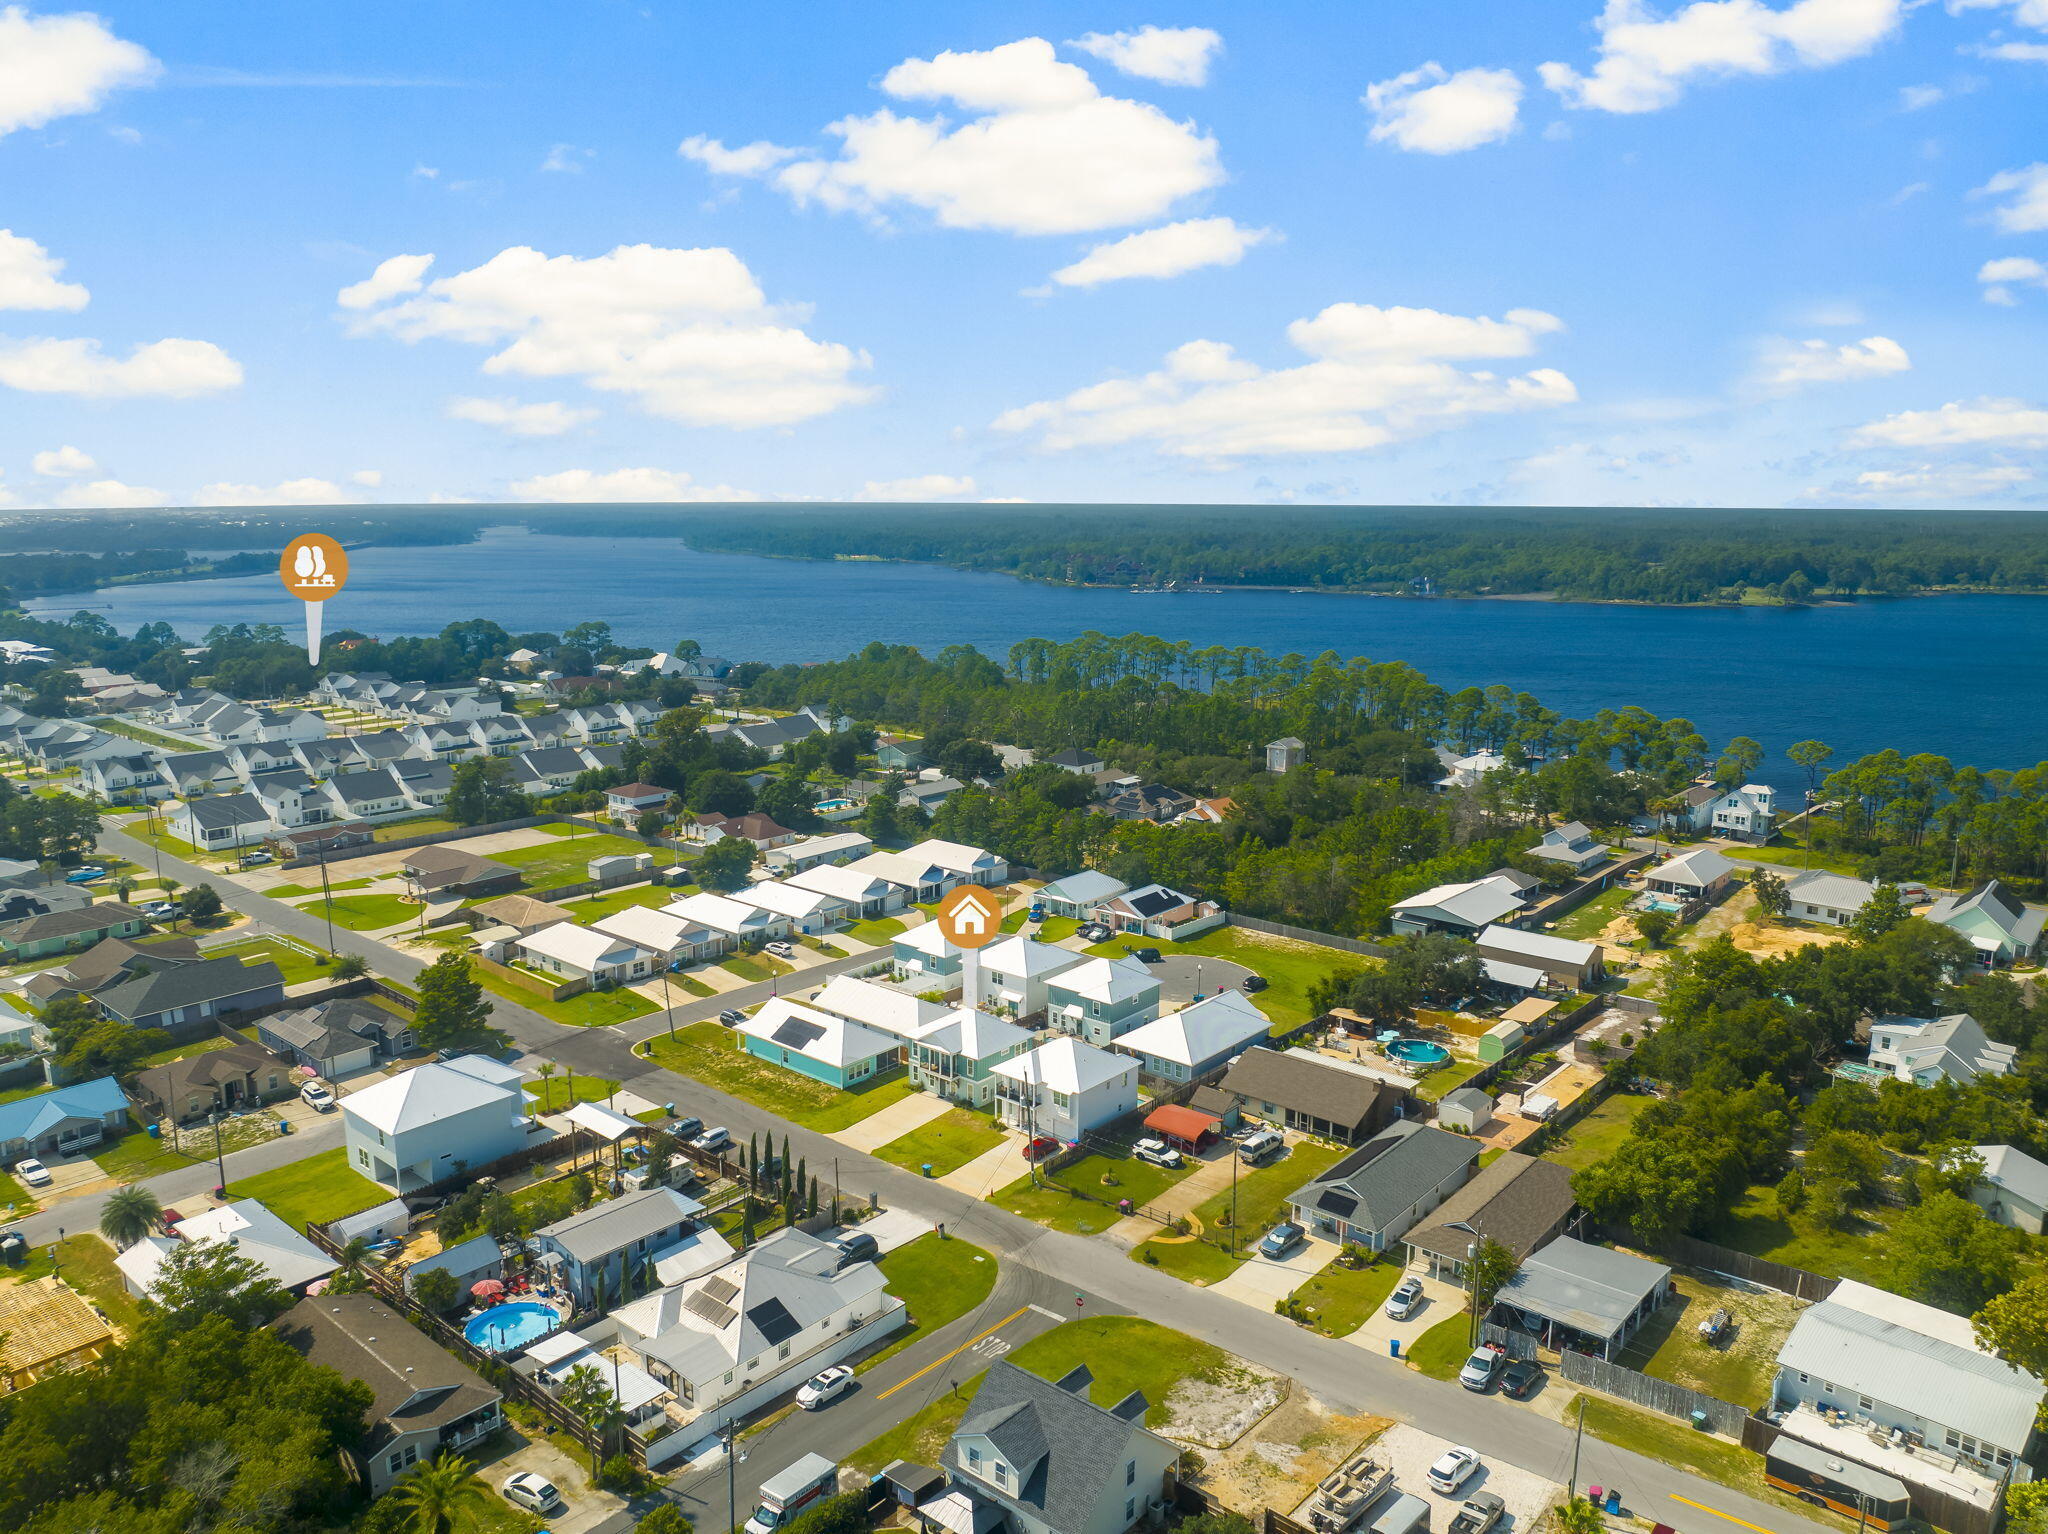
(1479, 1513)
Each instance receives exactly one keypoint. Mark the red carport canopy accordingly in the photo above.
(1176, 1121)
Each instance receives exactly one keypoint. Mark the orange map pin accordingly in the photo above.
(313, 568)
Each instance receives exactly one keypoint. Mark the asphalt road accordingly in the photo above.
(1344, 1376)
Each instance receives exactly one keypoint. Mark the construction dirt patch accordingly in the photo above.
(1215, 1410)
(1280, 1461)
(1772, 939)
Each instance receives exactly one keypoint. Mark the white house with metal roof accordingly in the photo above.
(956, 1056)
(1461, 909)
(883, 1008)
(2012, 1188)
(1063, 1088)
(286, 1258)
(618, 1237)
(1899, 1365)
(1699, 874)
(584, 953)
(1199, 1038)
(1924, 1050)
(427, 1124)
(1831, 899)
(1015, 971)
(810, 910)
(735, 916)
(670, 938)
(867, 893)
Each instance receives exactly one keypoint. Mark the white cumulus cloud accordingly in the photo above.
(623, 485)
(548, 418)
(755, 159)
(2027, 190)
(1164, 252)
(2028, 13)
(1787, 365)
(1647, 59)
(1170, 55)
(686, 334)
(2001, 422)
(393, 278)
(63, 463)
(170, 369)
(56, 66)
(1042, 151)
(370, 478)
(1375, 376)
(1937, 481)
(1431, 111)
(290, 492)
(109, 494)
(917, 487)
(29, 276)
(2016, 53)
(2000, 275)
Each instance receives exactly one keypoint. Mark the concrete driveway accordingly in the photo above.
(893, 1122)
(1439, 1300)
(1261, 1280)
(1410, 1452)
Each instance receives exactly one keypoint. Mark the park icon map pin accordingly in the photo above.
(313, 568)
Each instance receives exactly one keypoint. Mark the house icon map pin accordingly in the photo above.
(970, 917)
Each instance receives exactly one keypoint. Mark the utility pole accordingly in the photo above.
(668, 1007)
(1572, 1489)
(220, 1164)
(1236, 1160)
(327, 899)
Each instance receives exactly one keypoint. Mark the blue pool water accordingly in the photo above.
(1418, 1052)
(507, 1328)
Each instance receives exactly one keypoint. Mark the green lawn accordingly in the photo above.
(751, 966)
(297, 966)
(1339, 1300)
(334, 886)
(1124, 1353)
(1439, 1083)
(1053, 928)
(1441, 1351)
(366, 913)
(1290, 968)
(168, 743)
(322, 1187)
(1051, 1203)
(948, 1142)
(1586, 923)
(710, 1053)
(876, 931)
(425, 825)
(1192, 1262)
(86, 1263)
(589, 1009)
(1596, 1136)
(1676, 1443)
(183, 1051)
(559, 1091)
(13, 1196)
(138, 1156)
(591, 907)
(561, 860)
(1798, 858)
(1262, 1195)
(1742, 1366)
(920, 1437)
(1754, 1226)
(940, 1280)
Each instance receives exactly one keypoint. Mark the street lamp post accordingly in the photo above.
(220, 1164)
(668, 1007)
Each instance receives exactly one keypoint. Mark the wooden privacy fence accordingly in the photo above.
(1724, 1417)
(464, 833)
(1308, 935)
(1690, 1250)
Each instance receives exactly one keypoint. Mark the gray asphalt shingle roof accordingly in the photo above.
(186, 985)
(1066, 1450)
(1387, 1175)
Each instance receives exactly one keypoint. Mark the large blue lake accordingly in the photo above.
(1960, 676)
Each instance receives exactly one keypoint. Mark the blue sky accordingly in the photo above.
(1556, 252)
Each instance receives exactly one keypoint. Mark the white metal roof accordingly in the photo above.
(844, 880)
(1474, 903)
(791, 900)
(1108, 981)
(894, 1012)
(1836, 891)
(821, 1036)
(720, 914)
(1539, 945)
(1067, 1065)
(606, 1123)
(2016, 1172)
(1871, 1342)
(1700, 867)
(1213, 1026)
(974, 1034)
(1020, 955)
(585, 948)
(426, 1094)
(1082, 888)
(927, 939)
(955, 857)
(650, 928)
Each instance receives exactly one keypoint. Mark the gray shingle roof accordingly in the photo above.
(415, 1384)
(1305, 1085)
(605, 1228)
(1517, 1201)
(185, 985)
(69, 923)
(1066, 1451)
(1376, 1183)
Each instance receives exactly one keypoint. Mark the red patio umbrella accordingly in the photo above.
(487, 1289)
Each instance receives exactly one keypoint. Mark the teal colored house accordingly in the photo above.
(818, 1045)
(1101, 1000)
(902, 755)
(1999, 927)
(956, 1057)
(923, 950)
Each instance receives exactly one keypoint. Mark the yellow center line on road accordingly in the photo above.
(1688, 1501)
(970, 1342)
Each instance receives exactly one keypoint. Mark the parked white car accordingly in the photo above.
(535, 1493)
(32, 1172)
(314, 1095)
(824, 1387)
(781, 950)
(1454, 1467)
(1158, 1152)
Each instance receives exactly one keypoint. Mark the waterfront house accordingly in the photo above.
(1926, 1050)
(183, 994)
(1101, 999)
(1466, 771)
(435, 1122)
(1374, 1195)
(956, 1056)
(1198, 1039)
(599, 1247)
(818, 1044)
(424, 1401)
(1064, 1088)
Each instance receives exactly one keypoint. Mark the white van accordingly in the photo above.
(1258, 1146)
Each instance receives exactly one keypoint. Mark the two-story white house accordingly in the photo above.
(1015, 972)
(435, 1121)
(1101, 999)
(956, 1057)
(1063, 1088)
(1924, 1050)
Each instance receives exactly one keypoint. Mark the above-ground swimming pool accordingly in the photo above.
(1418, 1052)
(507, 1328)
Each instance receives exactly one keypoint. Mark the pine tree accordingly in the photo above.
(453, 1014)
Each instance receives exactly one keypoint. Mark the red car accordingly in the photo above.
(1040, 1148)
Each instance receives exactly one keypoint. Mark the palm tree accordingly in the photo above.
(439, 1492)
(1581, 1515)
(547, 1068)
(129, 1214)
(349, 1278)
(586, 1394)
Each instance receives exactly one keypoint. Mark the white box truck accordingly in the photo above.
(789, 1492)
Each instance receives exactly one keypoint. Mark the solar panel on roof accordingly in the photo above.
(701, 1304)
(771, 1318)
(795, 1033)
(720, 1289)
(1337, 1203)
